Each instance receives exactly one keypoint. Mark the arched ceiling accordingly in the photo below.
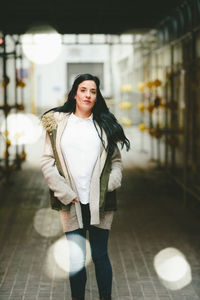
(86, 16)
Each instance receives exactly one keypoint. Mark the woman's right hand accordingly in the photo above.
(75, 200)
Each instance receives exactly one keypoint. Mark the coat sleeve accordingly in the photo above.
(115, 176)
(57, 183)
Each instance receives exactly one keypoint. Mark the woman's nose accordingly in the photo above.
(88, 94)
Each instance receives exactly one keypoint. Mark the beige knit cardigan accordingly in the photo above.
(64, 187)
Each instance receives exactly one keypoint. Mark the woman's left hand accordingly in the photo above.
(75, 200)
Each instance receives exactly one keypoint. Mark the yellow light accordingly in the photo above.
(141, 86)
(141, 106)
(126, 121)
(142, 127)
(157, 82)
(126, 105)
(126, 88)
(149, 84)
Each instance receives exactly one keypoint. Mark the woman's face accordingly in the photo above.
(86, 95)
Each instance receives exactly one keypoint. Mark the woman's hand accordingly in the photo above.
(75, 200)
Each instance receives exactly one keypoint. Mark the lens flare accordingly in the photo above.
(22, 129)
(47, 222)
(172, 269)
(57, 260)
(41, 44)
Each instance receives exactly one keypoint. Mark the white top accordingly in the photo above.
(80, 145)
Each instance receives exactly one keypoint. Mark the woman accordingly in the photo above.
(82, 166)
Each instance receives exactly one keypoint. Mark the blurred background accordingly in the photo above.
(147, 56)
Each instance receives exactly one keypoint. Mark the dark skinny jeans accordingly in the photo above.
(98, 239)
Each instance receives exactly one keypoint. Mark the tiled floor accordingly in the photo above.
(150, 217)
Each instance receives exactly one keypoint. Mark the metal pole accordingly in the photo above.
(17, 160)
(5, 105)
(166, 122)
(22, 90)
(173, 114)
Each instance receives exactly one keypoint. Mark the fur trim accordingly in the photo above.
(48, 121)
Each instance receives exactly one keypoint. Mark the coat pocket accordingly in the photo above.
(110, 202)
(57, 204)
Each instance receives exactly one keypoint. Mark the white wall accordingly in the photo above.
(51, 79)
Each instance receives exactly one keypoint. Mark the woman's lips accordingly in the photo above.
(87, 101)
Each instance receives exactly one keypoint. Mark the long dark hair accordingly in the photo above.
(101, 115)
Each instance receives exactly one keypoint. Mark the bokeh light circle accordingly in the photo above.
(41, 44)
(172, 268)
(22, 128)
(47, 222)
(56, 264)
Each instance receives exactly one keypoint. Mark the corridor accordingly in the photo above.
(144, 61)
(150, 217)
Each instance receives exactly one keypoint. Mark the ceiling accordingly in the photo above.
(86, 16)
